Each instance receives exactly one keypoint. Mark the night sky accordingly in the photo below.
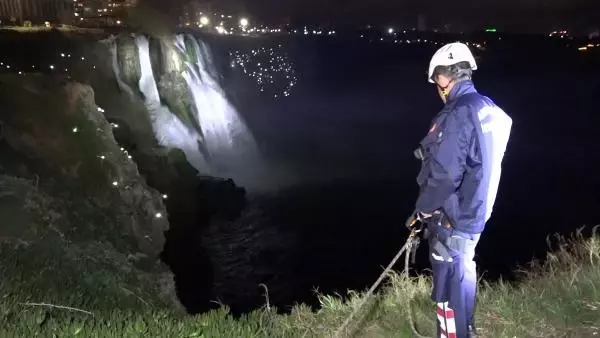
(523, 15)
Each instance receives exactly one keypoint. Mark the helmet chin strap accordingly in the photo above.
(445, 90)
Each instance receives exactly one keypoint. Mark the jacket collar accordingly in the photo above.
(460, 89)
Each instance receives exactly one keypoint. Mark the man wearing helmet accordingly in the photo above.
(461, 163)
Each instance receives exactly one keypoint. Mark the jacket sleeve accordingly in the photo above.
(447, 162)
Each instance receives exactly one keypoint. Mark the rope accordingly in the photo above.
(406, 248)
(411, 320)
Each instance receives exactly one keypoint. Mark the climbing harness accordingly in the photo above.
(410, 247)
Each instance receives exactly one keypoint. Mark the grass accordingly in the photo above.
(559, 298)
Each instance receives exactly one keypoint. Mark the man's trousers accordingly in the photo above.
(454, 282)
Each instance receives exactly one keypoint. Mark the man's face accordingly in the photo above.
(443, 82)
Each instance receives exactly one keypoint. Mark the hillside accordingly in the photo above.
(557, 299)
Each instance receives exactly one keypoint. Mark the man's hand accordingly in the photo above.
(411, 221)
(416, 218)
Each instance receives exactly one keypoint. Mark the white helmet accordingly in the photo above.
(451, 54)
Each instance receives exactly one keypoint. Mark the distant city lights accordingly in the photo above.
(221, 30)
(270, 67)
(560, 34)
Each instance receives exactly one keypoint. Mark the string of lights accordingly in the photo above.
(116, 182)
(60, 64)
(269, 67)
(68, 58)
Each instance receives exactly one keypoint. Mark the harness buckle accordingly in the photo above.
(419, 153)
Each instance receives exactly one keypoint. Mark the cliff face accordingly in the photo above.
(65, 180)
(85, 188)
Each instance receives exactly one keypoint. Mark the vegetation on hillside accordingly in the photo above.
(559, 298)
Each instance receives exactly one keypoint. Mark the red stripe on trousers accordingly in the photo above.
(448, 314)
(447, 335)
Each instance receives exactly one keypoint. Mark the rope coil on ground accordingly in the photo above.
(405, 249)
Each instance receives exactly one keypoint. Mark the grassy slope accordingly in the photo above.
(559, 299)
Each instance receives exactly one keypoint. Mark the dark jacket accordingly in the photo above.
(462, 156)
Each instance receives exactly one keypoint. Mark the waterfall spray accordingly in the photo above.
(168, 128)
(218, 143)
(226, 137)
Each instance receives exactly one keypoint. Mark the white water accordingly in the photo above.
(230, 145)
(224, 147)
(168, 128)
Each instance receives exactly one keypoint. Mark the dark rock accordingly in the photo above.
(56, 131)
(128, 60)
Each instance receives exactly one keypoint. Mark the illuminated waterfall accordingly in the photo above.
(226, 138)
(169, 130)
(222, 146)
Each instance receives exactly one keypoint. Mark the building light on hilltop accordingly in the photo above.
(221, 30)
(244, 22)
(204, 20)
